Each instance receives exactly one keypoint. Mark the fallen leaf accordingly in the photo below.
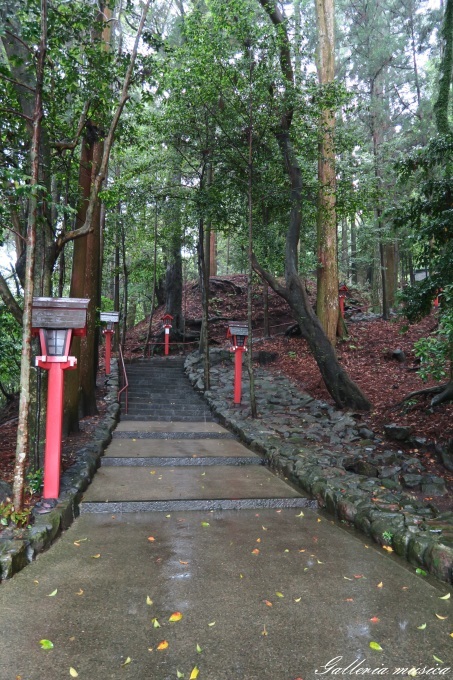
(349, 599)
(148, 600)
(179, 674)
(46, 644)
(151, 539)
(279, 594)
(319, 519)
(258, 540)
(162, 645)
(347, 578)
(211, 624)
(380, 585)
(442, 618)
(422, 627)
(301, 514)
(79, 541)
(412, 672)
(358, 575)
(302, 550)
(35, 581)
(96, 557)
(155, 623)
(80, 592)
(194, 674)
(176, 616)
(421, 572)
(152, 472)
(388, 548)
(445, 597)
(255, 552)
(53, 593)
(319, 562)
(436, 658)
(199, 650)
(181, 562)
(168, 516)
(376, 646)
(125, 663)
(264, 631)
(269, 604)
(375, 619)
(73, 673)
(205, 524)
(286, 550)
(297, 599)
(264, 528)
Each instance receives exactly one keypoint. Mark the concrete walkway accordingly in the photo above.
(182, 518)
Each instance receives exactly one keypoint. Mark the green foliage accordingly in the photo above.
(436, 351)
(10, 516)
(35, 481)
(10, 349)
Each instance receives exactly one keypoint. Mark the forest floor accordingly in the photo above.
(367, 355)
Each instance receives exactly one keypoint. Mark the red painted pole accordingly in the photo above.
(341, 301)
(238, 374)
(108, 349)
(167, 341)
(54, 421)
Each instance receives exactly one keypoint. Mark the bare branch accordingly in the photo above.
(16, 82)
(8, 109)
(82, 120)
(9, 300)
(271, 280)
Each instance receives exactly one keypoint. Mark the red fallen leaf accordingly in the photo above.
(181, 562)
(255, 552)
(151, 539)
(358, 575)
(349, 599)
(269, 604)
(315, 539)
(375, 619)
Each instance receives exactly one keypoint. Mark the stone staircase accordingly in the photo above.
(169, 454)
(160, 391)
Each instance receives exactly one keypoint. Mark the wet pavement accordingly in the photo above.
(273, 595)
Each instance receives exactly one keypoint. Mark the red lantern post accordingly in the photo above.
(56, 320)
(110, 318)
(166, 320)
(238, 332)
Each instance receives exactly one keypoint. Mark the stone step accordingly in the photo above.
(168, 419)
(147, 452)
(167, 408)
(145, 427)
(176, 461)
(132, 489)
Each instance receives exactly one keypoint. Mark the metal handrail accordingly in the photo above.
(125, 388)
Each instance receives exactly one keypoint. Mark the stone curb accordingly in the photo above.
(388, 515)
(15, 554)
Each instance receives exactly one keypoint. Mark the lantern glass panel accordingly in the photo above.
(240, 340)
(56, 340)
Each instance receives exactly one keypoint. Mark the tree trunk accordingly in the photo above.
(327, 275)
(23, 434)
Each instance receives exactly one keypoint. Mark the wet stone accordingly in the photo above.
(411, 481)
(398, 433)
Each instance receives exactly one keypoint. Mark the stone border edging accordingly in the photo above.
(390, 518)
(15, 554)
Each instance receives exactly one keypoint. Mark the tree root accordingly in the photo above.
(444, 392)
